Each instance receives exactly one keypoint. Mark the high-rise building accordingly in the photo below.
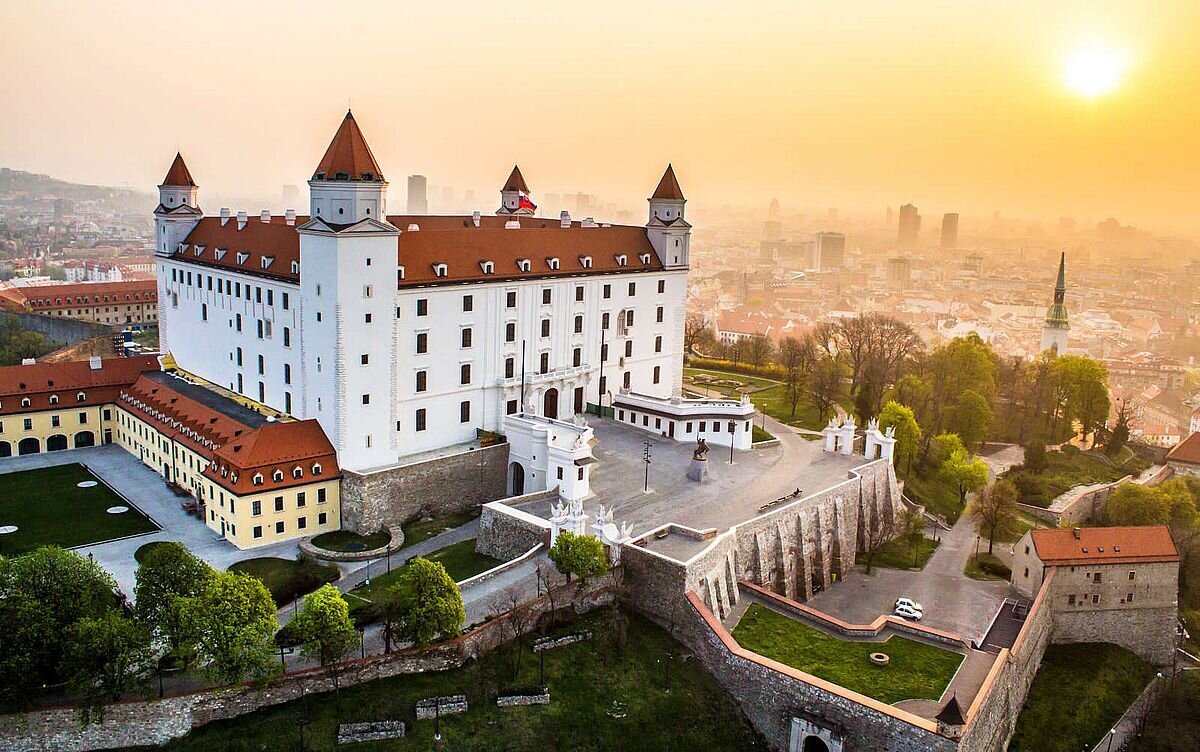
(950, 230)
(910, 226)
(1054, 331)
(899, 273)
(829, 251)
(291, 196)
(418, 196)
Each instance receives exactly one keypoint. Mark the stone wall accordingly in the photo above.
(156, 722)
(62, 331)
(1147, 632)
(506, 533)
(436, 486)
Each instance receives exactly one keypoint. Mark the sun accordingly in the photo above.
(1094, 70)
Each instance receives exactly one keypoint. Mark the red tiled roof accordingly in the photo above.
(283, 447)
(668, 187)
(451, 240)
(160, 405)
(85, 294)
(348, 155)
(1187, 451)
(1105, 545)
(515, 181)
(178, 175)
(39, 381)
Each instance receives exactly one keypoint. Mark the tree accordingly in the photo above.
(794, 357)
(967, 472)
(1084, 386)
(105, 657)
(1120, 432)
(697, 333)
(994, 509)
(325, 632)
(1035, 455)
(580, 555)
(907, 432)
(230, 626)
(168, 571)
(825, 386)
(972, 414)
(962, 363)
(430, 605)
(759, 350)
(876, 536)
(42, 594)
(1170, 503)
(56, 273)
(912, 529)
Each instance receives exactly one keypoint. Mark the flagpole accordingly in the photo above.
(522, 376)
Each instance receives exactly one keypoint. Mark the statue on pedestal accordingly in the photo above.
(699, 469)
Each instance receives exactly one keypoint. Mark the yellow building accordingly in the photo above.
(132, 302)
(253, 479)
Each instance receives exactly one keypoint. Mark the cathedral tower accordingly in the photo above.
(1054, 331)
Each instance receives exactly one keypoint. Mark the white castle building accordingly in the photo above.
(405, 334)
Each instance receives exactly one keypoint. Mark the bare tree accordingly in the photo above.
(759, 350)
(795, 357)
(825, 386)
(995, 506)
(876, 536)
(697, 332)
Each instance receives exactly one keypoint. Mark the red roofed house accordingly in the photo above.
(1105, 584)
(115, 303)
(1184, 458)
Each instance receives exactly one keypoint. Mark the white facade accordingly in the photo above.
(719, 422)
(545, 453)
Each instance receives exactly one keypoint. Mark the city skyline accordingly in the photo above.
(857, 116)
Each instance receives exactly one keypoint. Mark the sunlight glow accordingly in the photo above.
(1094, 70)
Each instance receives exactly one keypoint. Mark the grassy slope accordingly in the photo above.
(1065, 470)
(897, 554)
(584, 682)
(48, 509)
(768, 396)
(916, 670)
(416, 531)
(1079, 692)
(287, 578)
(460, 560)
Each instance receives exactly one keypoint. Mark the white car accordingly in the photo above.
(909, 603)
(906, 612)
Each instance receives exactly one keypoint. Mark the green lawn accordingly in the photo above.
(287, 578)
(418, 530)
(761, 434)
(1174, 723)
(50, 510)
(938, 496)
(460, 560)
(898, 554)
(1065, 469)
(768, 396)
(347, 541)
(986, 567)
(916, 670)
(1079, 693)
(584, 680)
(143, 550)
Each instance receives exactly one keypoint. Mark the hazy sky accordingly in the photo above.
(954, 104)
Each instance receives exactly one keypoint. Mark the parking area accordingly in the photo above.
(146, 490)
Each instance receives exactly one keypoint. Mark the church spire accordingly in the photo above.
(1056, 316)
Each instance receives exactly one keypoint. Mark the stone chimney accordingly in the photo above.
(475, 218)
(564, 218)
(224, 215)
(241, 220)
(289, 216)
(265, 216)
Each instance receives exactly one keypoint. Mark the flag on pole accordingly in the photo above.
(523, 202)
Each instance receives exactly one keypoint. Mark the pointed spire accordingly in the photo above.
(515, 181)
(178, 175)
(1062, 273)
(951, 714)
(1056, 316)
(348, 156)
(668, 187)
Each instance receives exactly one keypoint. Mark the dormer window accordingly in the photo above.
(80, 397)
(552, 263)
(341, 176)
(258, 479)
(219, 254)
(242, 256)
(319, 176)
(523, 265)
(316, 469)
(197, 250)
(622, 259)
(585, 262)
(440, 270)
(399, 273)
(267, 261)
(645, 259)
(297, 472)
(182, 248)
(24, 402)
(53, 399)
(488, 267)
(277, 476)
(295, 267)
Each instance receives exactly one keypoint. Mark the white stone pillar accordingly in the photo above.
(831, 435)
(847, 435)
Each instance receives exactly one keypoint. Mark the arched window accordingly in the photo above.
(257, 480)
(80, 397)
(53, 399)
(277, 476)
(316, 469)
(24, 402)
(297, 472)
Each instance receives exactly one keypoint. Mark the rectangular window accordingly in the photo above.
(604, 320)
(260, 328)
(287, 373)
(632, 289)
(55, 422)
(468, 303)
(544, 363)
(83, 418)
(509, 367)
(1095, 599)
(261, 365)
(604, 352)
(510, 299)
(422, 307)
(279, 527)
(1129, 597)
(366, 399)
(628, 348)
(204, 311)
(287, 337)
(238, 320)
(1070, 600)
(579, 325)
(607, 291)
(422, 343)
(285, 301)
(577, 357)
(364, 359)
(464, 374)
(657, 373)
(510, 407)
(510, 332)
(421, 419)
(662, 286)
(629, 318)
(1131, 575)
(301, 523)
(466, 337)
(546, 296)
(255, 508)
(300, 502)
(464, 411)
(421, 381)
(278, 503)
(658, 344)
(579, 294)
(322, 518)
(545, 327)
(1096, 577)
(658, 315)
(257, 531)
(320, 495)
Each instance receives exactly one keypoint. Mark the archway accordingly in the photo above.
(56, 443)
(815, 744)
(518, 479)
(550, 403)
(85, 439)
(29, 446)
(5, 449)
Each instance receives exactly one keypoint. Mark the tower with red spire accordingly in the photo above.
(176, 215)
(669, 232)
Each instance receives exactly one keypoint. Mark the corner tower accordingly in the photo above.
(348, 270)
(176, 215)
(669, 232)
(514, 196)
(1054, 331)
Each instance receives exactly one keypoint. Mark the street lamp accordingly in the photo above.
(301, 722)
(437, 719)
(731, 436)
(646, 459)
(1111, 733)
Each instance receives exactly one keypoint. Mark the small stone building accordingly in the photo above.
(1113, 584)
(1184, 459)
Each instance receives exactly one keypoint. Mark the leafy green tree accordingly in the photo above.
(994, 509)
(105, 657)
(907, 432)
(323, 626)
(912, 530)
(429, 603)
(972, 415)
(168, 571)
(962, 363)
(230, 626)
(42, 594)
(1171, 503)
(966, 472)
(1085, 387)
(1035, 455)
(580, 555)
(913, 392)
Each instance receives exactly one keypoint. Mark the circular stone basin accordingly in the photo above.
(117, 510)
(86, 484)
(880, 659)
(6, 529)
(355, 546)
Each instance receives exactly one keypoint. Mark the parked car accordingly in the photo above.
(910, 603)
(905, 612)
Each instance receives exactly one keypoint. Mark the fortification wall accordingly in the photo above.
(506, 533)
(437, 486)
(1147, 632)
